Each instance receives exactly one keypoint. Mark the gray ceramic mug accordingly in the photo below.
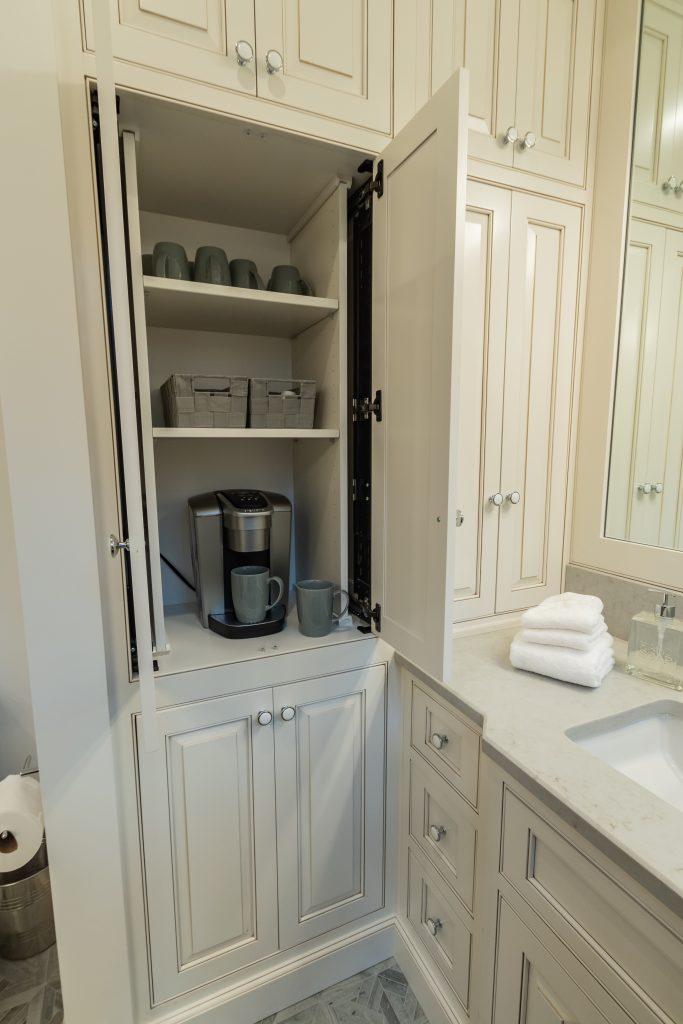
(244, 274)
(211, 265)
(169, 259)
(250, 585)
(314, 605)
(285, 278)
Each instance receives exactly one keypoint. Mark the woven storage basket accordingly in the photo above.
(281, 403)
(193, 401)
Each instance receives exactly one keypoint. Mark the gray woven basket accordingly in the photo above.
(193, 401)
(289, 404)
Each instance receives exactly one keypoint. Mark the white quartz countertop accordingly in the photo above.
(525, 720)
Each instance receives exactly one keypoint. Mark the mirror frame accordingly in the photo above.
(590, 548)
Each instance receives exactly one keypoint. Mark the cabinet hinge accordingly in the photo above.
(376, 616)
(378, 180)
(363, 408)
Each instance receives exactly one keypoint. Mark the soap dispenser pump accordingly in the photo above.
(655, 647)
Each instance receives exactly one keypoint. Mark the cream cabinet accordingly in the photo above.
(531, 63)
(522, 278)
(645, 500)
(317, 56)
(658, 135)
(284, 783)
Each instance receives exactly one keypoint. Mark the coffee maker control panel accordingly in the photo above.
(247, 501)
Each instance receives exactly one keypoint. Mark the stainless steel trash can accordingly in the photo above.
(27, 925)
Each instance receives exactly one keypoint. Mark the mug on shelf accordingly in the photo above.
(285, 278)
(211, 265)
(250, 586)
(169, 259)
(315, 606)
(245, 275)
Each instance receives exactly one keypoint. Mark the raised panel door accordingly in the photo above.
(336, 57)
(207, 801)
(482, 365)
(554, 71)
(539, 364)
(188, 38)
(329, 765)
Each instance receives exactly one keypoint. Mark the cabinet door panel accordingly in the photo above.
(329, 763)
(337, 58)
(418, 261)
(482, 365)
(554, 70)
(187, 38)
(544, 272)
(208, 809)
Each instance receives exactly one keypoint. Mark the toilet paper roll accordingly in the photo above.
(21, 821)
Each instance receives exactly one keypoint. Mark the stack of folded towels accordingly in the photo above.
(565, 637)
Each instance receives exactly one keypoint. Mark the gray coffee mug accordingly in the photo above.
(170, 260)
(285, 278)
(314, 605)
(211, 265)
(245, 275)
(250, 585)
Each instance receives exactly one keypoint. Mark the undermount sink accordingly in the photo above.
(646, 744)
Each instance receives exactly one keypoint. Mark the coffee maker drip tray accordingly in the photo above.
(226, 624)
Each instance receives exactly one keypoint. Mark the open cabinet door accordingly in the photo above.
(418, 260)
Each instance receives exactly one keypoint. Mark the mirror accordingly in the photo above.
(645, 491)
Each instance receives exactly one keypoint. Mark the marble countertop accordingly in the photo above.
(525, 721)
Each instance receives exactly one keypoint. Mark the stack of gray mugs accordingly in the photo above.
(212, 266)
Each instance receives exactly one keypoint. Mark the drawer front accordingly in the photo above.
(439, 926)
(446, 741)
(443, 826)
(591, 910)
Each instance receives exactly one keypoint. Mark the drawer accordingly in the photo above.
(446, 741)
(440, 926)
(443, 826)
(590, 910)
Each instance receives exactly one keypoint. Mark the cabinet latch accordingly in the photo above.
(364, 408)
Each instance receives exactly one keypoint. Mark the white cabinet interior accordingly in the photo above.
(522, 279)
(239, 795)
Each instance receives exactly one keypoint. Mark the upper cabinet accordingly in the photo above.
(531, 66)
(318, 56)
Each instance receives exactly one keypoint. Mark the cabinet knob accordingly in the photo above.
(274, 62)
(671, 185)
(438, 740)
(244, 51)
(433, 923)
(658, 488)
(496, 499)
(287, 714)
(510, 136)
(513, 497)
(436, 831)
(264, 718)
(645, 488)
(529, 141)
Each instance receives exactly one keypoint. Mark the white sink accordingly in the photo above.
(645, 743)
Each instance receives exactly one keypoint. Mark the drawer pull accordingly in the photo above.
(433, 924)
(438, 740)
(436, 831)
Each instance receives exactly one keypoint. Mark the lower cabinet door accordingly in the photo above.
(207, 805)
(532, 987)
(329, 767)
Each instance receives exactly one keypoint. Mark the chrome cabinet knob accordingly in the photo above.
(645, 488)
(511, 136)
(671, 185)
(658, 488)
(433, 924)
(287, 714)
(438, 740)
(264, 718)
(513, 497)
(436, 831)
(274, 62)
(459, 517)
(244, 51)
(529, 141)
(496, 499)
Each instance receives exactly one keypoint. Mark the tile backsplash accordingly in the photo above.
(622, 598)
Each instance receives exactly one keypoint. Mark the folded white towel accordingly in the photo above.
(564, 637)
(579, 612)
(586, 668)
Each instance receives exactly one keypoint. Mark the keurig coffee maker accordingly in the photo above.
(230, 529)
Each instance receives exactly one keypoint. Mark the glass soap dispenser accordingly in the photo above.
(655, 646)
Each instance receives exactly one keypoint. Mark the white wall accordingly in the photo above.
(17, 737)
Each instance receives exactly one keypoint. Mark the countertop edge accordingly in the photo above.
(474, 714)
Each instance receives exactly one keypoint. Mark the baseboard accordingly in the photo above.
(510, 620)
(294, 979)
(432, 993)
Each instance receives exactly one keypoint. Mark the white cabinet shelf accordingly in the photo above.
(191, 305)
(243, 432)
